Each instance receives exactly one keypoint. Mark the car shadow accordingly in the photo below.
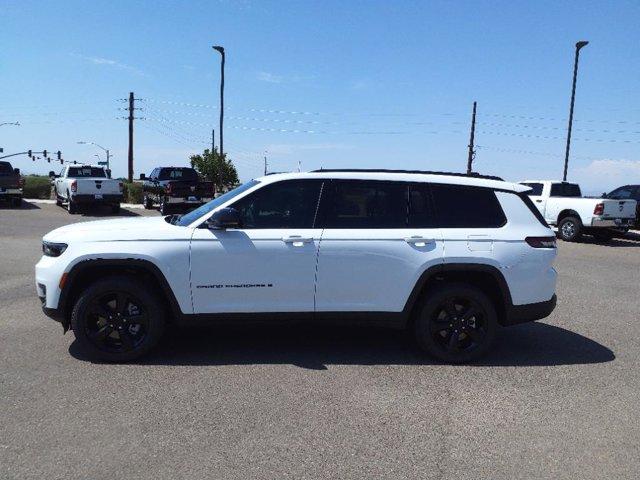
(315, 347)
(106, 212)
(24, 205)
(626, 240)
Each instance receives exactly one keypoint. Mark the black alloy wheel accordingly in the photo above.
(117, 319)
(457, 323)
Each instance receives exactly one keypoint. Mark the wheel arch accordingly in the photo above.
(568, 212)
(485, 277)
(88, 270)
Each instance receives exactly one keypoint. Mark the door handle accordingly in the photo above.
(418, 241)
(297, 240)
(538, 201)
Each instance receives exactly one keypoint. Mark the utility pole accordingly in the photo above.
(472, 152)
(265, 163)
(299, 165)
(213, 140)
(579, 45)
(222, 60)
(130, 158)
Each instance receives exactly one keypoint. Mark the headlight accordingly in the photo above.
(53, 249)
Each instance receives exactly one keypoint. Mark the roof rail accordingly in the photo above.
(424, 172)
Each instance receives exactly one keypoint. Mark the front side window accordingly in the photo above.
(287, 204)
(461, 206)
(366, 204)
(536, 189)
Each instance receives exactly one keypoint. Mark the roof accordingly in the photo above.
(401, 176)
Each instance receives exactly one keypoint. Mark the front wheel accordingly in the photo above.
(117, 319)
(570, 229)
(457, 323)
(164, 208)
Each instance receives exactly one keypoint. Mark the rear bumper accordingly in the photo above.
(529, 312)
(10, 193)
(111, 198)
(186, 200)
(612, 222)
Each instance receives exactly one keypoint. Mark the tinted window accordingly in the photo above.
(291, 204)
(421, 211)
(79, 172)
(178, 174)
(536, 189)
(460, 206)
(5, 167)
(621, 193)
(565, 190)
(363, 204)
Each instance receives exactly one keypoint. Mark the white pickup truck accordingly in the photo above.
(86, 185)
(561, 204)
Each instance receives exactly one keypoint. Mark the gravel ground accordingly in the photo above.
(555, 399)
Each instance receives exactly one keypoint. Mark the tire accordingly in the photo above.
(115, 208)
(147, 202)
(570, 229)
(16, 202)
(164, 208)
(71, 206)
(456, 323)
(117, 319)
(603, 236)
(58, 201)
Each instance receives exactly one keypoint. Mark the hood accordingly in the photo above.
(142, 228)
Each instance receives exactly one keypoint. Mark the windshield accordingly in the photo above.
(191, 217)
(79, 172)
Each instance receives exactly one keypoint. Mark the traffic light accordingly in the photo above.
(44, 154)
(59, 155)
(48, 160)
(30, 153)
(61, 162)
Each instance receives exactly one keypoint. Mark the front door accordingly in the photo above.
(267, 265)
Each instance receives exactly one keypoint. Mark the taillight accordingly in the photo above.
(74, 186)
(168, 188)
(599, 210)
(121, 185)
(21, 182)
(541, 242)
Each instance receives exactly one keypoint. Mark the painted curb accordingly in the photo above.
(53, 202)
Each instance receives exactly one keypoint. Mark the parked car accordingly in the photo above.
(11, 184)
(86, 185)
(175, 188)
(562, 205)
(625, 193)
(448, 257)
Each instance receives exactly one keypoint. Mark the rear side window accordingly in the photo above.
(461, 206)
(366, 204)
(536, 189)
(565, 190)
(527, 201)
(421, 210)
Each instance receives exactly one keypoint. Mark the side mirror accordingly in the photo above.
(604, 195)
(108, 172)
(16, 171)
(223, 219)
(52, 174)
(143, 176)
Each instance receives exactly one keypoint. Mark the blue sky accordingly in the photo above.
(330, 84)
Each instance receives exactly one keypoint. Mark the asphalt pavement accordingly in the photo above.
(555, 399)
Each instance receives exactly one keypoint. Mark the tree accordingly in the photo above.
(216, 168)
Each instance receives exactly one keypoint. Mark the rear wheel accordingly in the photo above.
(117, 320)
(147, 202)
(71, 206)
(164, 208)
(570, 229)
(16, 202)
(457, 323)
(115, 208)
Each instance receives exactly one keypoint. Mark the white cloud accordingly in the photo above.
(269, 77)
(604, 174)
(108, 62)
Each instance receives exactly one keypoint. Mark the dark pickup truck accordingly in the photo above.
(11, 184)
(175, 188)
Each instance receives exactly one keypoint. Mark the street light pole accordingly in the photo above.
(222, 60)
(579, 45)
(106, 150)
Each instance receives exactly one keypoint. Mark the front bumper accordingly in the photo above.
(612, 222)
(86, 199)
(529, 312)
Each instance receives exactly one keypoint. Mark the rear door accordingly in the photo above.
(370, 258)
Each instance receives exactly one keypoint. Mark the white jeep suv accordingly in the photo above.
(449, 256)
